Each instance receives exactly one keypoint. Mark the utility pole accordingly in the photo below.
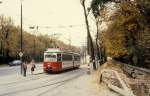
(34, 44)
(34, 48)
(21, 42)
(70, 38)
(34, 41)
(90, 47)
(83, 53)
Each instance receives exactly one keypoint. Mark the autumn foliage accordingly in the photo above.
(33, 45)
(127, 37)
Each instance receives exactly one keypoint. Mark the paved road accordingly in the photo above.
(10, 70)
(70, 83)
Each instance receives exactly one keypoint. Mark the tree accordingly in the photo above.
(127, 27)
(97, 7)
(33, 45)
(6, 25)
(90, 47)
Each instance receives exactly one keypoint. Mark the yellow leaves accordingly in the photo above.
(123, 26)
(114, 44)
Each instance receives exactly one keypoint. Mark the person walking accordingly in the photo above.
(32, 66)
(24, 68)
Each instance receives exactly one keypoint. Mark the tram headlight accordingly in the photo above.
(49, 65)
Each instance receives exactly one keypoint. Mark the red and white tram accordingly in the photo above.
(56, 60)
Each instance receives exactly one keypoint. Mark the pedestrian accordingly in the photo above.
(24, 68)
(88, 71)
(32, 66)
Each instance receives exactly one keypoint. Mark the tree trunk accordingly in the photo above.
(98, 51)
(90, 47)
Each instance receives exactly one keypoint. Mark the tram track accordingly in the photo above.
(22, 81)
(48, 82)
(16, 82)
(62, 83)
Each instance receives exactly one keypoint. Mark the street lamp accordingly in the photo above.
(21, 37)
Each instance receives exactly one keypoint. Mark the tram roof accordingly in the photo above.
(59, 51)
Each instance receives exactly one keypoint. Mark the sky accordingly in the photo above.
(51, 16)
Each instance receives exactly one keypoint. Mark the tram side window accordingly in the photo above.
(58, 57)
(77, 58)
(67, 57)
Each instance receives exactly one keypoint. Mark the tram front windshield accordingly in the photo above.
(50, 58)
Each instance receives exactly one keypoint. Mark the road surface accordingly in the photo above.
(70, 83)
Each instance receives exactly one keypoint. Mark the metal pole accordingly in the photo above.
(70, 40)
(21, 39)
(36, 31)
(34, 48)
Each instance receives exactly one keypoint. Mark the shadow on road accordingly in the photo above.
(39, 73)
(64, 71)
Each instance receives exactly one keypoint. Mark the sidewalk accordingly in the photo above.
(17, 77)
(3, 65)
(36, 71)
